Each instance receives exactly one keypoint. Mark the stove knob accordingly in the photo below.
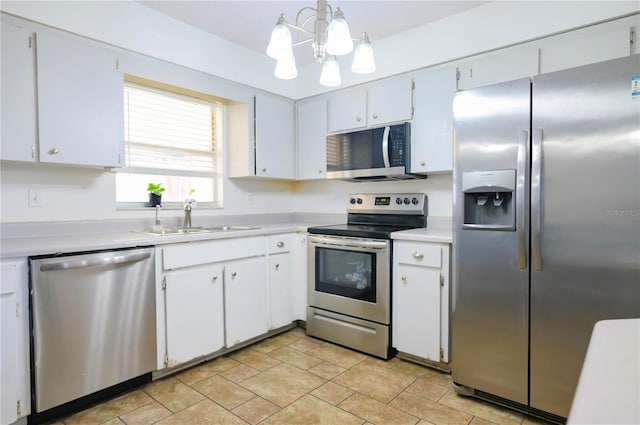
(414, 201)
(359, 201)
(352, 200)
(398, 201)
(406, 201)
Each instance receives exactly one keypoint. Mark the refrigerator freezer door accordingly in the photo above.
(491, 278)
(585, 218)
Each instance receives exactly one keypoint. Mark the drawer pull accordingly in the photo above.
(214, 278)
(404, 279)
(280, 244)
(277, 266)
(418, 255)
(233, 275)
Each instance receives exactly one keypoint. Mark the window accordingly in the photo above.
(170, 138)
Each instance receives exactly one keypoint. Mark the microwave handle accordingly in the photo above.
(385, 147)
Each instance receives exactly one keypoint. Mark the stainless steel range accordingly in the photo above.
(349, 278)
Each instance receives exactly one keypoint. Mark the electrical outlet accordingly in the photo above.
(35, 198)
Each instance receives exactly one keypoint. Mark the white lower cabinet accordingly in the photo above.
(280, 280)
(14, 341)
(209, 295)
(420, 323)
(245, 300)
(195, 313)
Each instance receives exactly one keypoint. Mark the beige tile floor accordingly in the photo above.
(295, 379)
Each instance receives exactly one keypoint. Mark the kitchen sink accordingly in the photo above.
(195, 230)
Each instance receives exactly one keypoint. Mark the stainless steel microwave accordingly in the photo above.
(373, 154)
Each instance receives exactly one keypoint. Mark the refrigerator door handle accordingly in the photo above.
(536, 207)
(521, 164)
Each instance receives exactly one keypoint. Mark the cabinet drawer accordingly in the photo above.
(279, 243)
(195, 253)
(418, 254)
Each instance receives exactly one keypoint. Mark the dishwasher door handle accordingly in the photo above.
(105, 261)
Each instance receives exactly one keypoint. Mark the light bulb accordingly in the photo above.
(280, 43)
(330, 76)
(338, 35)
(363, 62)
(286, 68)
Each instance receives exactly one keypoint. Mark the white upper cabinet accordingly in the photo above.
(80, 102)
(586, 46)
(389, 101)
(506, 65)
(275, 137)
(19, 119)
(380, 103)
(312, 139)
(262, 138)
(348, 110)
(432, 125)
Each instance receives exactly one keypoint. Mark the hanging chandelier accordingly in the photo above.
(330, 37)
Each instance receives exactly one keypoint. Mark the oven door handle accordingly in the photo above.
(347, 243)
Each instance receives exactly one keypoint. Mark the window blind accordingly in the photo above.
(168, 132)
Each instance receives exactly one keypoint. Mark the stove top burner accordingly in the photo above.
(378, 215)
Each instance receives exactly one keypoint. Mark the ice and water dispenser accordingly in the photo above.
(489, 200)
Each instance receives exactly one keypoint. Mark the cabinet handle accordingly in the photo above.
(264, 170)
(417, 255)
(53, 151)
(277, 266)
(280, 244)
(422, 163)
(375, 116)
(404, 279)
(319, 171)
(214, 278)
(233, 275)
(358, 119)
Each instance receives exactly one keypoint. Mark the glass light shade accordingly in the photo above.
(286, 68)
(280, 43)
(339, 36)
(363, 62)
(330, 76)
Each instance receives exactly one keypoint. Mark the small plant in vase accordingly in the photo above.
(155, 194)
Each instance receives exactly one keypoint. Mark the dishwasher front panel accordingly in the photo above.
(94, 326)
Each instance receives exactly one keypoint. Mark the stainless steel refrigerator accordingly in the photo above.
(546, 229)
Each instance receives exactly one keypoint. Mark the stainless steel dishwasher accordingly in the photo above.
(93, 320)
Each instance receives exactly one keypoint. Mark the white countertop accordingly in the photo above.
(438, 230)
(45, 245)
(608, 391)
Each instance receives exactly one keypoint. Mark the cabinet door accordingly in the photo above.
(509, 64)
(274, 137)
(14, 341)
(432, 126)
(195, 313)
(416, 311)
(586, 47)
(312, 139)
(299, 279)
(280, 275)
(19, 122)
(347, 110)
(80, 102)
(389, 101)
(246, 300)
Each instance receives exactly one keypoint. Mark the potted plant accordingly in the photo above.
(155, 194)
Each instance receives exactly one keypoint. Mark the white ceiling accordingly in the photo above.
(249, 23)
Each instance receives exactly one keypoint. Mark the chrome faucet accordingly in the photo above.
(187, 215)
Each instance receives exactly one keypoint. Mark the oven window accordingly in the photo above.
(346, 273)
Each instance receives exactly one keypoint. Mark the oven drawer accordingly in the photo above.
(362, 335)
(418, 254)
